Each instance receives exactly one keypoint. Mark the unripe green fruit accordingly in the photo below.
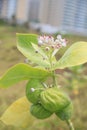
(53, 99)
(39, 111)
(65, 113)
(34, 96)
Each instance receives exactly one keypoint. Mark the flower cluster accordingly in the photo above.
(50, 42)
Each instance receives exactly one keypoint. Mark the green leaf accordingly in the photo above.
(22, 72)
(75, 55)
(25, 46)
(18, 114)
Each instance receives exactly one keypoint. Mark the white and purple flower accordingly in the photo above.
(50, 42)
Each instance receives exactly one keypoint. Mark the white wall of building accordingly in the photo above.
(4, 9)
(34, 6)
(11, 8)
(1, 2)
(22, 11)
(51, 12)
(75, 15)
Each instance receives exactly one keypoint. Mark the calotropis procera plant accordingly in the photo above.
(42, 100)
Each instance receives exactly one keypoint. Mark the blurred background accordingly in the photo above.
(47, 16)
(52, 17)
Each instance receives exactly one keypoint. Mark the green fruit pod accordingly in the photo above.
(34, 96)
(53, 99)
(65, 113)
(38, 111)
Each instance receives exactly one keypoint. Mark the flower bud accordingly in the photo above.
(39, 111)
(47, 48)
(65, 113)
(53, 99)
(33, 90)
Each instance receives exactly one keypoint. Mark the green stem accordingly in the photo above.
(51, 69)
(71, 127)
(54, 79)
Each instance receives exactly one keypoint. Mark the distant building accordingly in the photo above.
(0, 7)
(75, 16)
(51, 12)
(27, 11)
(11, 10)
(3, 7)
(67, 15)
(7, 9)
(22, 11)
(34, 9)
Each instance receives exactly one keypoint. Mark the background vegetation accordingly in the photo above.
(9, 56)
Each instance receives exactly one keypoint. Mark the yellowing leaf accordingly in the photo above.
(75, 55)
(18, 114)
